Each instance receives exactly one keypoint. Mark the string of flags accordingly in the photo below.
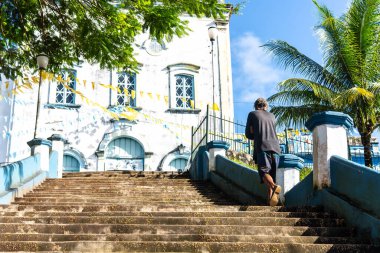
(27, 82)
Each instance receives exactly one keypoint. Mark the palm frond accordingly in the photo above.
(354, 95)
(362, 37)
(336, 55)
(296, 116)
(298, 84)
(289, 57)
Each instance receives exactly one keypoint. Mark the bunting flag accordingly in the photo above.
(59, 79)
(215, 107)
(141, 93)
(192, 104)
(35, 80)
(166, 98)
(150, 95)
(93, 85)
(44, 75)
(126, 92)
(84, 83)
(77, 80)
(6, 85)
(133, 94)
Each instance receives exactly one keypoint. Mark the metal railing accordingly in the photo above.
(212, 128)
(356, 154)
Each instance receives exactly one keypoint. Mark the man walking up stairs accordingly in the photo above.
(148, 212)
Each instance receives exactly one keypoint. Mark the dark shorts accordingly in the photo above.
(267, 163)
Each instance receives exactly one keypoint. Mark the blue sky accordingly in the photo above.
(254, 72)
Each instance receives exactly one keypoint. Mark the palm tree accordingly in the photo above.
(349, 79)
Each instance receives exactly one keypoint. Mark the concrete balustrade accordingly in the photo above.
(58, 143)
(42, 147)
(288, 173)
(329, 138)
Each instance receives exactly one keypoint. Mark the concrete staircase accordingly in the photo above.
(162, 212)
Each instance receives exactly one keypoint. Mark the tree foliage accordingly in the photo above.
(93, 30)
(349, 80)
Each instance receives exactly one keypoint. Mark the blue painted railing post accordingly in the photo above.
(215, 148)
(329, 138)
(288, 173)
(57, 144)
(42, 147)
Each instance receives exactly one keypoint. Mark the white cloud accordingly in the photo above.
(254, 73)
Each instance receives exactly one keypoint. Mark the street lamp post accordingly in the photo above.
(42, 61)
(212, 34)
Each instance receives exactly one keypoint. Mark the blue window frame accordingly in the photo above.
(184, 91)
(64, 95)
(126, 83)
(178, 164)
(70, 163)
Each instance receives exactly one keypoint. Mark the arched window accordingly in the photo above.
(70, 164)
(184, 95)
(126, 84)
(178, 164)
(63, 94)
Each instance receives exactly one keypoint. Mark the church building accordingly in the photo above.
(117, 120)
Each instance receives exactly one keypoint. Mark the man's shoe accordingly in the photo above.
(275, 196)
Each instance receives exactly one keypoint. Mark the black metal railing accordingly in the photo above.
(212, 127)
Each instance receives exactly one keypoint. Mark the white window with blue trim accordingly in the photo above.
(65, 86)
(182, 87)
(184, 95)
(126, 92)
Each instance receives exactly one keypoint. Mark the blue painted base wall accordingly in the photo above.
(353, 194)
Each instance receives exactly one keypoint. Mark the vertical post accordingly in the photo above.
(38, 105)
(192, 137)
(42, 147)
(58, 143)
(329, 138)
(207, 121)
(286, 141)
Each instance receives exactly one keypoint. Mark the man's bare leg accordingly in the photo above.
(268, 181)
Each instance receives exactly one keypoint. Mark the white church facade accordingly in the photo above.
(156, 106)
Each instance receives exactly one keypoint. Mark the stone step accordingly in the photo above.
(106, 199)
(126, 194)
(174, 214)
(102, 229)
(167, 208)
(246, 221)
(182, 237)
(122, 246)
(126, 202)
(171, 174)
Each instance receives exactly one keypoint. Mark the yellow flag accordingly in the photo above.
(192, 104)
(215, 107)
(35, 79)
(158, 96)
(84, 83)
(166, 98)
(59, 79)
(6, 85)
(150, 95)
(126, 92)
(77, 80)
(50, 76)
(44, 75)
(93, 85)
(133, 94)
(183, 100)
(141, 93)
